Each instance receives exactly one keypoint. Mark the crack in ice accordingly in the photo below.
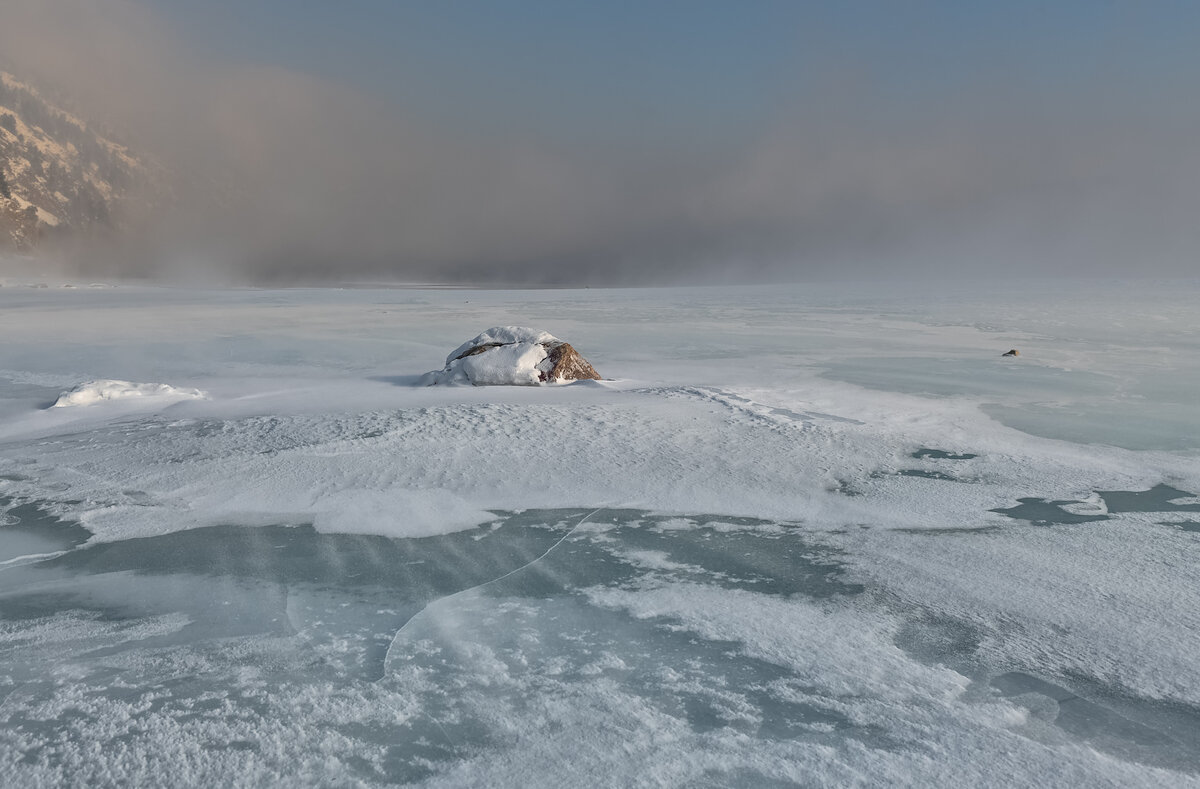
(387, 656)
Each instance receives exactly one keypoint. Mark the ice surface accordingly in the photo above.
(810, 536)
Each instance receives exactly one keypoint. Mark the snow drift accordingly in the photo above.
(104, 390)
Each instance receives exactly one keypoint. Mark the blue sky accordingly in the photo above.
(701, 61)
(574, 67)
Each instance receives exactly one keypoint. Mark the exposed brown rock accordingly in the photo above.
(567, 364)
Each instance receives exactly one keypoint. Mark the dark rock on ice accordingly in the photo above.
(566, 364)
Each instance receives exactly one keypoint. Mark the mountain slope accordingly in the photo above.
(59, 175)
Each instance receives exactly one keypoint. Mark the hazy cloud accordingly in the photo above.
(278, 175)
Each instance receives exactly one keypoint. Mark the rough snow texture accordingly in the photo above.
(512, 356)
(94, 392)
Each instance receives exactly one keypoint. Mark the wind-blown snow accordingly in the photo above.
(105, 390)
(805, 536)
(395, 513)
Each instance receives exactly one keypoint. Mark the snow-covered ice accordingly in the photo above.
(817, 535)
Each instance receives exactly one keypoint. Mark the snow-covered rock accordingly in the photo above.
(100, 391)
(512, 356)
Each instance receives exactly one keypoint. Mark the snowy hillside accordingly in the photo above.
(58, 173)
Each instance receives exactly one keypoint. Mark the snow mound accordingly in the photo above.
(104, 390)
(512, 356)
(503, 335)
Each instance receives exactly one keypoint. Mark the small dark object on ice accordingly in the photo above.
(1013, 352)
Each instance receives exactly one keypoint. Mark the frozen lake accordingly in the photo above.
(798, 536)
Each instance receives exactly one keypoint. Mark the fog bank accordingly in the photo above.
(282, 176)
